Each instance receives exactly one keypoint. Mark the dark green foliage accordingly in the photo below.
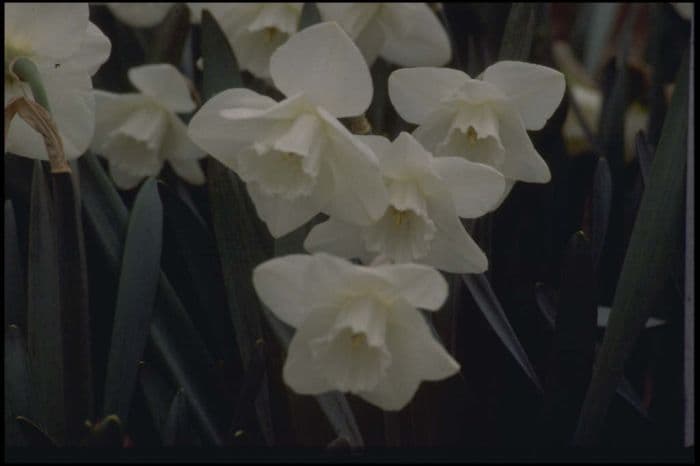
(138, 280)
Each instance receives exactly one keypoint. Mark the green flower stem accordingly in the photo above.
(26, 71)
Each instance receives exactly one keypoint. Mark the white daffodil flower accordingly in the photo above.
(421, 224)
(140, 14)
(483, 120)
(138, 132)
(67, 50)
(357, 328)
(256, 30)
(408, 34)
(295, 157)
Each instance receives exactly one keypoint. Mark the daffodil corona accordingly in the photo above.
(427, 195)
(138, 132)
(483, 120)
(358, 329)
(295, 157)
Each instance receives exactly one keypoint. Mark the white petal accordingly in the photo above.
(177, 144)
(405, 158)
(417, 92)
(164, 83)
(354, 18)
(522, 162)
(371, 40)
(253, 50)
(414, 36)
(360, 196)
(435, 129)
(189, 170)
(281, 284)
(93, 51)
(52, 30)
(123, 179)
(73, 108)
(141, 14)
(416, 356)
(334, 76)
(336, 237)
(535, 90)
(111, 110)
(378, 144)
(419, 285)
(223, 137)
(475, 188)
(282, 215)
(300, 372)
(452, 250)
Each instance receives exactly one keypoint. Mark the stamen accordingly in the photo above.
(357, 338)
(471, 135)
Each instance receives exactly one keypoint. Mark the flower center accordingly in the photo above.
(471, 135)
(402, 235)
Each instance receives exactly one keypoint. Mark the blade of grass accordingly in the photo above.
(175, 428)
(488, 303)
(138, 282)
(653, 249)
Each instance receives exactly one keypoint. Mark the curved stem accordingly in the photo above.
(26, 71)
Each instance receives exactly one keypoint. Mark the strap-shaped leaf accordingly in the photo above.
(175, 430)
(309, 15)
(652, 253)
(519, 32)
(172, 332)
(197, 246)
(75, 316)
(138, 282)
(572, 355)
(242, 239)
(15, 291)
(19, 389)
(44, 330)
(601, 201)
(490, 307)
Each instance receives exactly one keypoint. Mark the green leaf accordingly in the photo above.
(516, 43)
(571, 360)
(15, 292)
(488, 303)
(220, 66)
(170, 36)
(250, 386)
(138, 282)
(241, 239)
(309, 16)
(44, 329)
(19, 389)
(601, 201)
(172, 332)
(35, 435)
(157, 393)
(176, 428)
(653, 252)
(197, 246)
(75, 315)
(645, 154)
